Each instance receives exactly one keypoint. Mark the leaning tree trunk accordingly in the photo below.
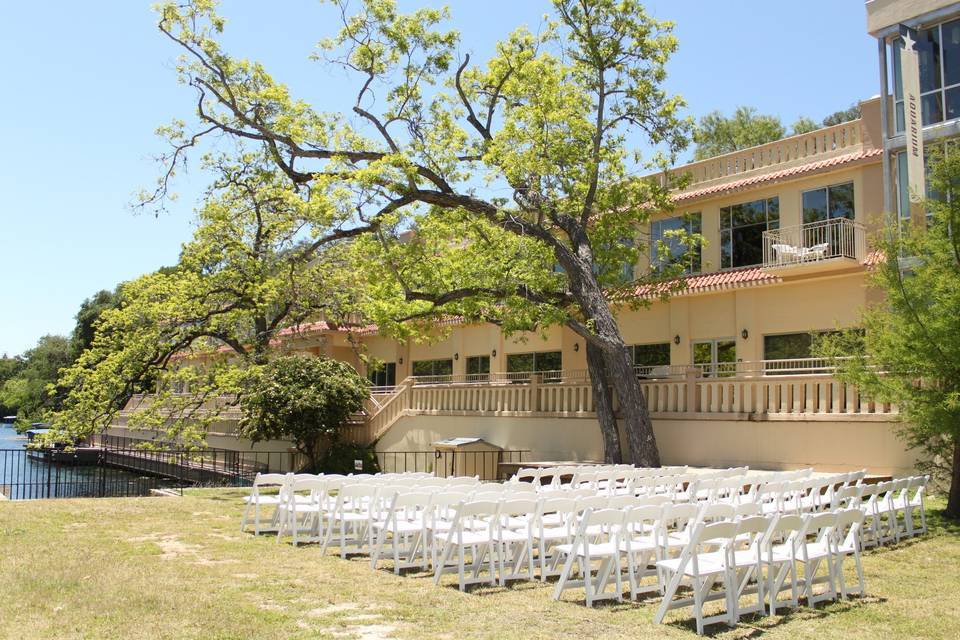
(633, 406)
(603, 405)
(618, 364)
(953, 501)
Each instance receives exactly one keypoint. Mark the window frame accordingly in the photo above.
(433, 373)
(727, 233)
(386, 369)
(829, 213)
(899, 117)
(694, 257)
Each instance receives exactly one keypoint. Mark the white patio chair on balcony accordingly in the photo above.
(784, 253)
(816, 252)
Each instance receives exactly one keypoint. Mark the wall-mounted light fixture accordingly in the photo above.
(456, 356)
(676, 339)
(401, 360)
(744, 334)
(493, 354)
(576, 346)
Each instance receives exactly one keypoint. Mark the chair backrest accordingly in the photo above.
(817, 525)
(608, 520)
(642, 519)
(716, 511)
(577, 493)
(707, 534)
(270, 480)
(531, 474)
(471, 513)
(522, 508)
(622, 502)
(520, 488)
(747, 509)
(593, 502)
(847, 527)
(658, 501)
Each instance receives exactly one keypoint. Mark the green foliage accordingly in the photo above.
(909, 353)
(87, 317)
(263, 258)
(717, 134)
(300, 398)
(803, 125)
(844, 115)
(29, 390)
(340, 457)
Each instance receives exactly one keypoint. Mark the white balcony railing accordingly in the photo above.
(814, 242)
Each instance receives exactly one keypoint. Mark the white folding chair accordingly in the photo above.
(350, 517)
(405, 524)
(847, 543)
(779, 559)
(813, 545)
(701, 567)
(513, 533)
(555, 524)
(257, 500)
(471, 533)
(640, 545)
(587, 547)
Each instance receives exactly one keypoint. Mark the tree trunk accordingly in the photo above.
(953, 501)
(633, 407)
(603, 405)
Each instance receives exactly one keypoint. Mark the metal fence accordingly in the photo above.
(488, 465)
(27, 474)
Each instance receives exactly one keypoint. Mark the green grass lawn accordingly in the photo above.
(180, 568)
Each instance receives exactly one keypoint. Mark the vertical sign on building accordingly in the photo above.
(910, 74)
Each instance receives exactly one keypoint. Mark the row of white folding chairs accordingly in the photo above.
(341, 513)
(750, 555)
(551, 478)
(277, 495)
(418, 524)
(890, 509)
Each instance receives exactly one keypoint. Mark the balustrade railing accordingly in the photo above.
(817, 145)
(815, 241)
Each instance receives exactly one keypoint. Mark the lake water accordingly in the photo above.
(23, 478)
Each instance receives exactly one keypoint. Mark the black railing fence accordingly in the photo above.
(27, 474)
(486, 464)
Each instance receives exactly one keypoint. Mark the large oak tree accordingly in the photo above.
(533, 141)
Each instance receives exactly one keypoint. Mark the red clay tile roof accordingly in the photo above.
(718, 281)
(776, 175)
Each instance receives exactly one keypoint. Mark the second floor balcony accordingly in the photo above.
(815, 245)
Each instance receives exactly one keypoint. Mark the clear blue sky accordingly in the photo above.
(86, 83)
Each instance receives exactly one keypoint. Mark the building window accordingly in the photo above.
(651, 360)
(828, 203)
(539, 362)
(651, 355)
(788, 348)
(902, 179)
(478, 368)
(385, 375)
(741, 231)
(433, 367)
(717, 357)
(938, 52)
(680, 253)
